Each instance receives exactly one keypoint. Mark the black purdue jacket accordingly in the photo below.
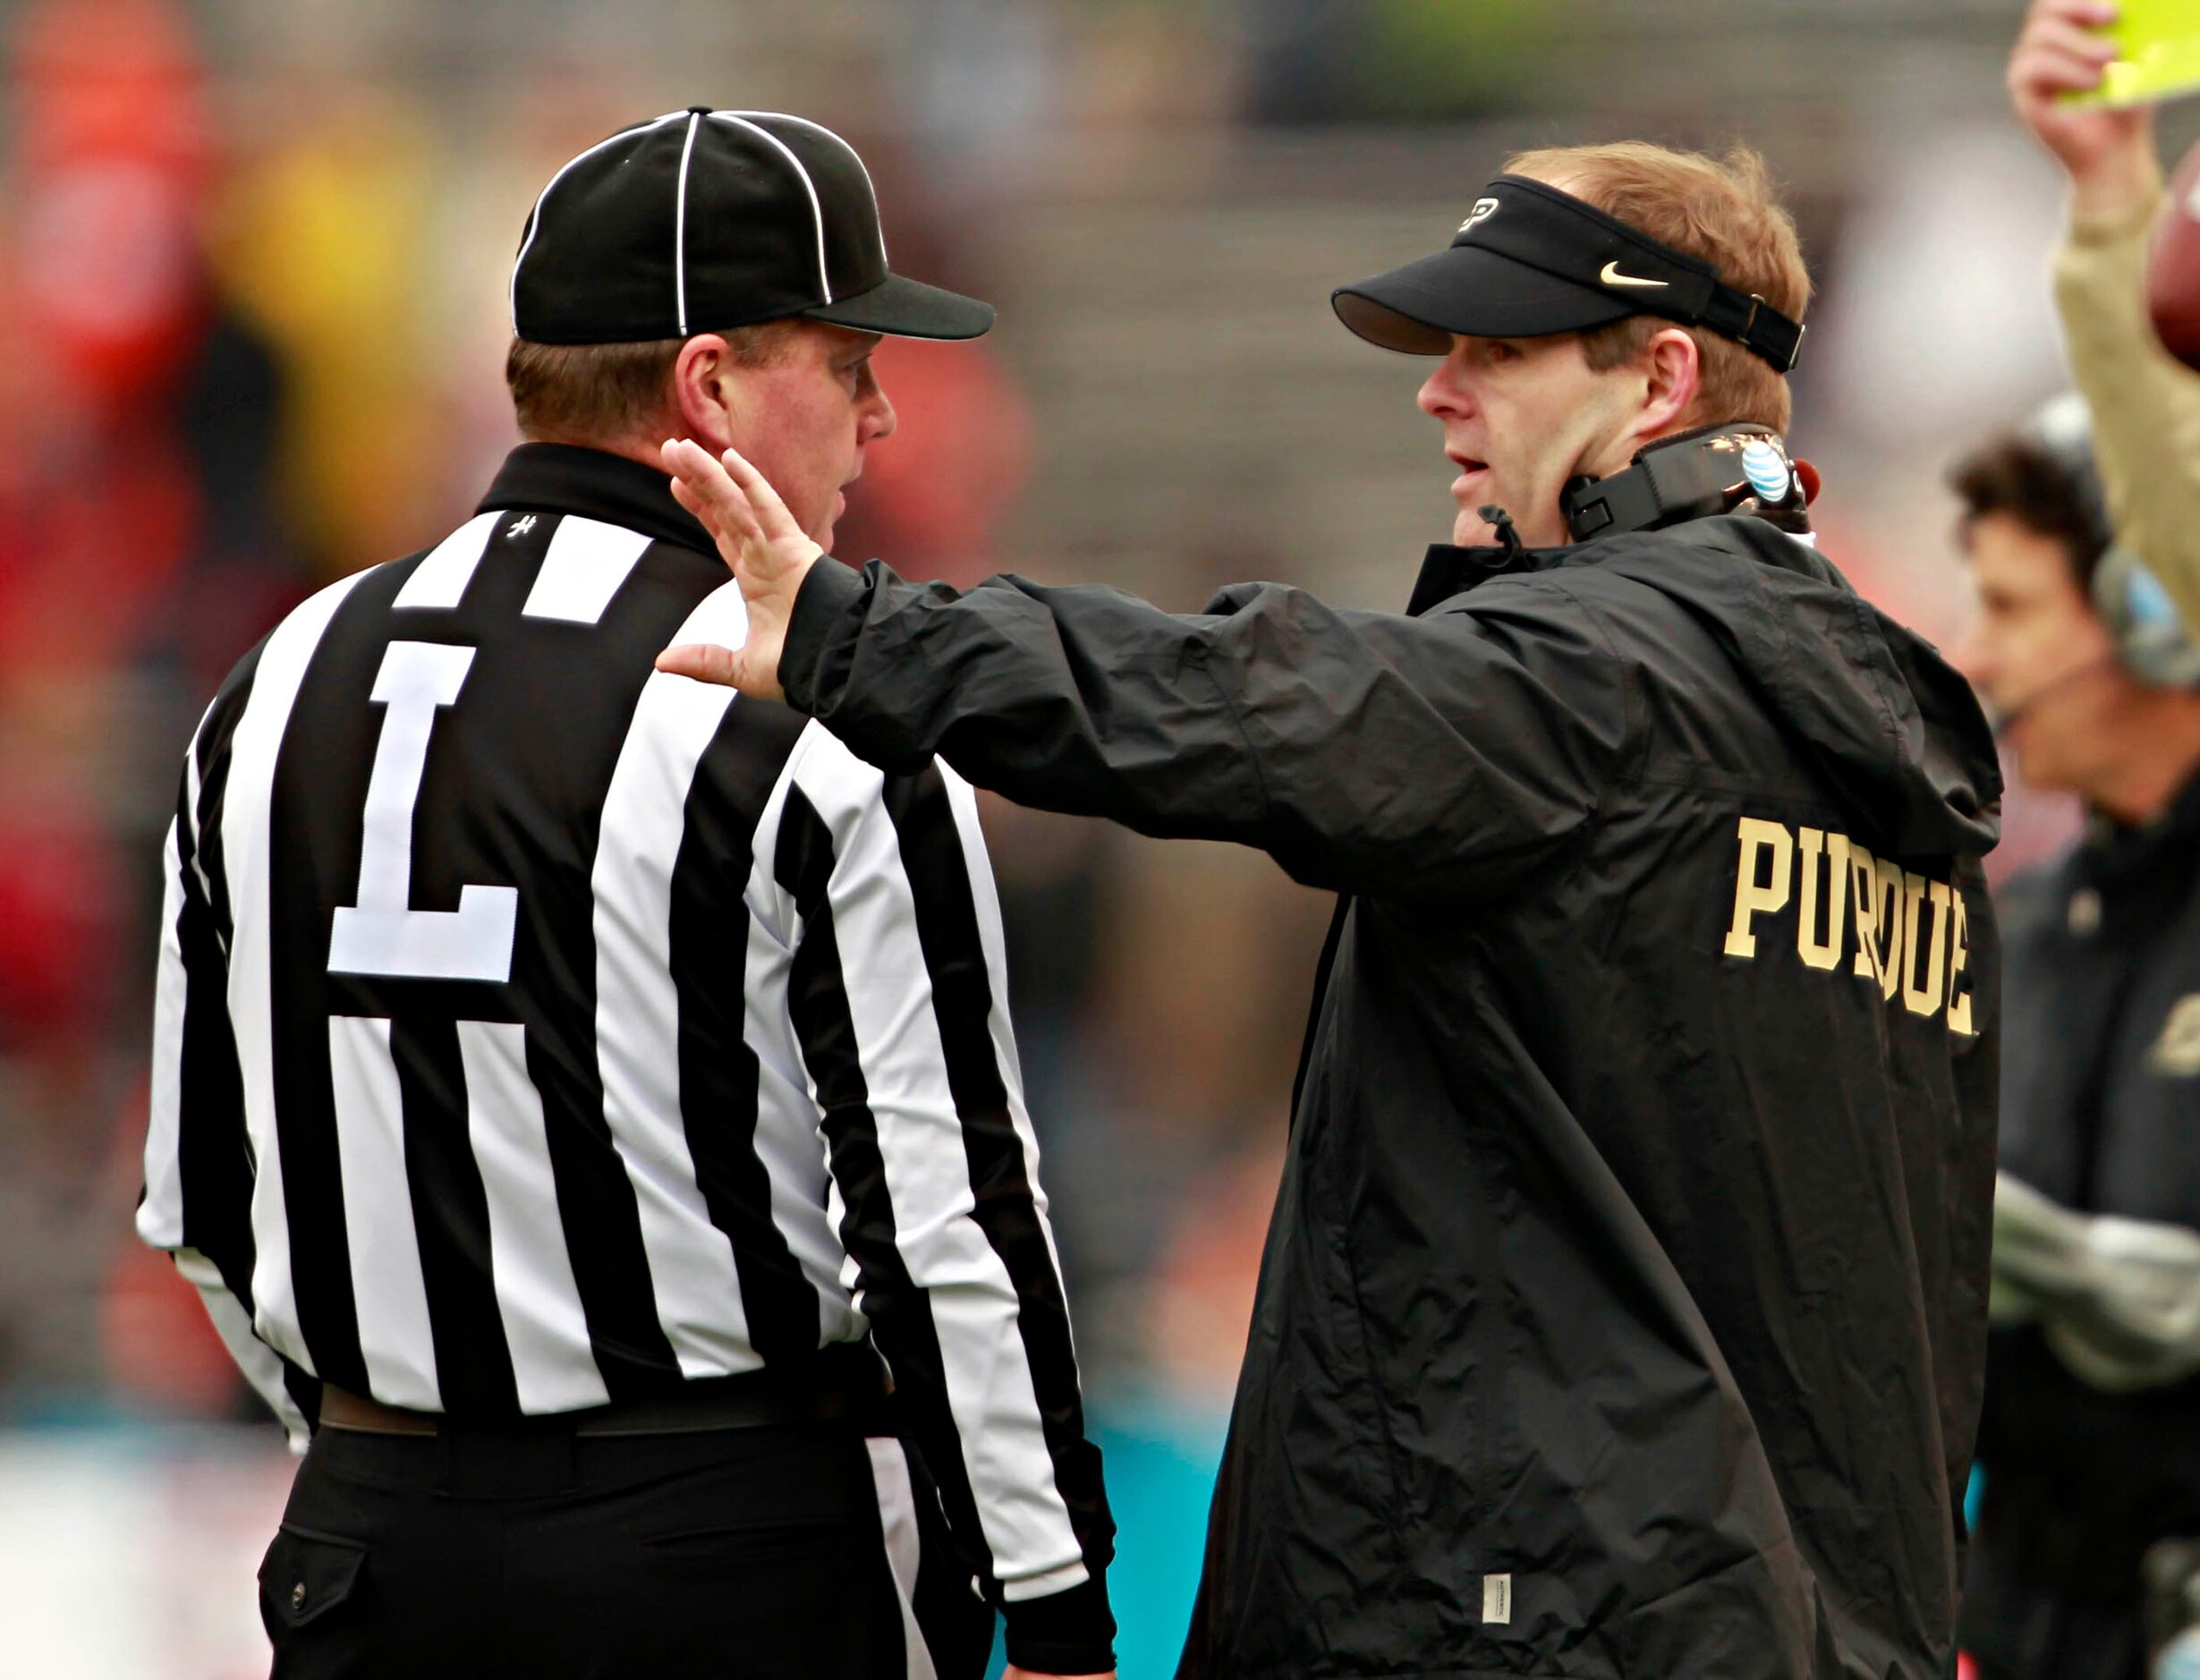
(2102, 1068)
(1622, 1316)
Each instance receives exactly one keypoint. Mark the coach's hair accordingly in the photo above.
(2024, 480)
(592, 393)
(1722, 211)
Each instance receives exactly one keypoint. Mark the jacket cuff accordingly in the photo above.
(831, 589)
(2132, 222)
(1070, 1632)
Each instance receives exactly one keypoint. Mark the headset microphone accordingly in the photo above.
(2010, 716)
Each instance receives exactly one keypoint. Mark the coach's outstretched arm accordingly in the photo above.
(1363, 751)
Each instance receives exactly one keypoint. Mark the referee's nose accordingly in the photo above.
(875, 415)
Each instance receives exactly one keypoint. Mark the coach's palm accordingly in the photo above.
(769, 552)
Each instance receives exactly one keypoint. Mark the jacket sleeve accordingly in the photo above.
(2146, 403)
(197, 1199)
(1365, 751)
(898, 997)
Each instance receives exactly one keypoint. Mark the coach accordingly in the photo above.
(2090, 1440)
(571, 1083)
(1622, 1311)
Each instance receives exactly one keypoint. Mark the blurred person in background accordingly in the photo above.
(578, 1225)
(1622, 1308)
(123, 597)
(2090, 1442)
(2144, 403)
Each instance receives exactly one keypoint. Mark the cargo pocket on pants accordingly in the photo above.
(303, 1578)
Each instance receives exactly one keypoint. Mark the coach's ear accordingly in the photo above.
(706, 392)
(1673, 372)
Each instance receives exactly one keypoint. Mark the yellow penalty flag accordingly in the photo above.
(2158, 54)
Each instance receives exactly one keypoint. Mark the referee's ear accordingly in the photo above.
(706, 392)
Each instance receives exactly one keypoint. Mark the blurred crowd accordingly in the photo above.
(251, 313)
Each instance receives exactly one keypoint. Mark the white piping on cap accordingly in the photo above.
(876, 220)
(817, 214)
(679, 228)
(534, 216)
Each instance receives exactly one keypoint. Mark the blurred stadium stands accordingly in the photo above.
(251, 324)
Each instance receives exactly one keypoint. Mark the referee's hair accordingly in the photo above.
(1721, 210)
(575, 393)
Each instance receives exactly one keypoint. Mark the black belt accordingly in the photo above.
(846, 1381)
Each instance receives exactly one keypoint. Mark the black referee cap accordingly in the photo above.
(701, 219)
(1531, 261)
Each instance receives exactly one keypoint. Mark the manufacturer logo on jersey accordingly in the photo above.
(2177, 1052)
(521, 527)
(1610, 276)
(1485, 208)
(1900, 931)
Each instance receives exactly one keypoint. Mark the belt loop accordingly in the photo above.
(449, 1461)
(568, 1465)
(506, 1461)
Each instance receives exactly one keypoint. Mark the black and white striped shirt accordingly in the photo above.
(536, 1030)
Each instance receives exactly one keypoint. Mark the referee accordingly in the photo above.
(587, 1099)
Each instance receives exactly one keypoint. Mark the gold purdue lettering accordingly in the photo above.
(1926, 999)
(1833, 849)
(1899, 949)
(1887, 876)
(1959, 1008)
(1749, 898)
(1861, 867)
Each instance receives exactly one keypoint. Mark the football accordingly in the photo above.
(2173, 267)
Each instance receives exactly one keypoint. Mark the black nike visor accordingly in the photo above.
(1531, 261)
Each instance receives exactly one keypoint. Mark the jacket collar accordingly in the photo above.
(1448, 570)
(2114, 851)
(567, 479)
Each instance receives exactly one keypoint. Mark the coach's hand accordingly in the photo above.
(2108, 154)
(767, 551)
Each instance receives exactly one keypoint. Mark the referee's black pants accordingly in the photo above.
(796, 1549)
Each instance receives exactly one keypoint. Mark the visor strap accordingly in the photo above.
(1753, 324)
